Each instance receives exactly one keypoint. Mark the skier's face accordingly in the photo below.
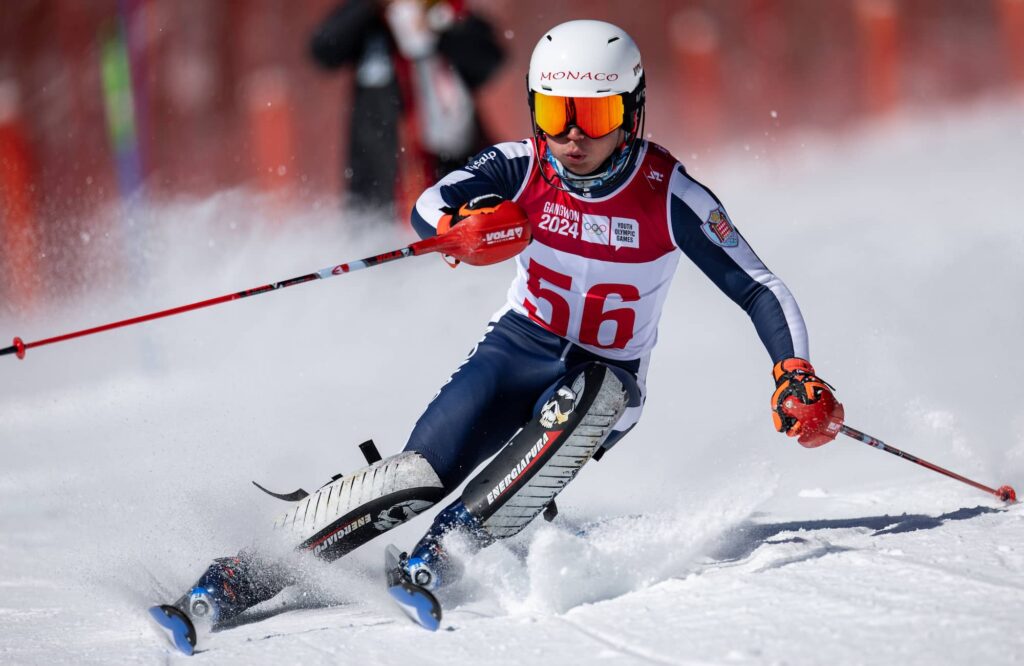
(579, 153)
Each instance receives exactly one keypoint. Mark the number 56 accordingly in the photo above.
(594, 313)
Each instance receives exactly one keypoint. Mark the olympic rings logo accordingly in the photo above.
(595, 227)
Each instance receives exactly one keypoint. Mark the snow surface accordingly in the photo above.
(704, 537)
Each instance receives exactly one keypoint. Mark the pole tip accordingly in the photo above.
(19, 348)
(1007, 494)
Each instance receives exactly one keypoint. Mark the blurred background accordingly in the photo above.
(107, 106)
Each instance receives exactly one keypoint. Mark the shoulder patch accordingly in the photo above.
(719, 230)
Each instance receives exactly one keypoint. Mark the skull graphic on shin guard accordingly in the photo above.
(556, 411)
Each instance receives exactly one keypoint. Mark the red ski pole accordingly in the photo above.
(19, 347)
(478, 240)
(1005, 493)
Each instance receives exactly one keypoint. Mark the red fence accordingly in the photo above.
(192, 96)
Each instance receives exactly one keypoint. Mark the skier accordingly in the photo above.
(559, 375)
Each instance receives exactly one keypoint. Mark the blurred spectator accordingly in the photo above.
(413, 116)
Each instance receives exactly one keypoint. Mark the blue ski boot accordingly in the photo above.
(219, 594)
(429, 566)
(413, 578)
(230, 586)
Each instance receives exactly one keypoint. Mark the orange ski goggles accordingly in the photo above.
(595, 116)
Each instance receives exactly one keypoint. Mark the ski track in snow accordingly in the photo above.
(705, 538)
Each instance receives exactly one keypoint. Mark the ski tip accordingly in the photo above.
(178, 627)
(419, 604)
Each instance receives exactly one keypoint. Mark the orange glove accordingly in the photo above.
(489, 229)
(803, 405)
(481, 205)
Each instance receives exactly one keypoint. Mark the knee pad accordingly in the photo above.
(351, 510)
(572, 424)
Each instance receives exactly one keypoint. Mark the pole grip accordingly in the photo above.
(18, 349)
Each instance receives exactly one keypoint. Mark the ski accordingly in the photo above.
(417, 602)
(176, 626)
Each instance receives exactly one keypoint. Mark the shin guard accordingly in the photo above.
(547, 452)
(353, 509)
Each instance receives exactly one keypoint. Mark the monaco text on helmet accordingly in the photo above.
(569, 75)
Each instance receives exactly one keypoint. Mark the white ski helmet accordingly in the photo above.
(587, 59)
